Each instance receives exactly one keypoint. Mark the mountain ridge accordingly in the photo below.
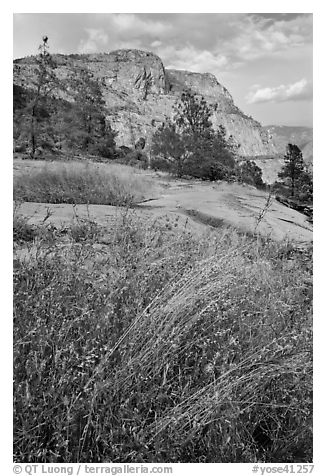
(140, 94)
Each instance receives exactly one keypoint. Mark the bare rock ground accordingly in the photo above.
(236, 205)
(195, 206)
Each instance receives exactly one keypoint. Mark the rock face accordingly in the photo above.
(131, 70)
(140, 94)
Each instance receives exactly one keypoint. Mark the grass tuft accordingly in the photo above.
(82, 183)
(156, 347)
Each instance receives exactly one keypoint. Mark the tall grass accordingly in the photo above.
(82, 183)
(161, 348)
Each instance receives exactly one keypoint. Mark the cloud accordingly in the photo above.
(256, 37)
(121, 30)
(299, 91)
(241, 38)
(135, 24)
(156, 44)
(216, 43)
(190, 58)
(96, 40)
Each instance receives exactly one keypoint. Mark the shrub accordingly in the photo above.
(211, 158)
(249, 172)
(123, 151)
(104, 147)
(136, 158)
(84, 230)
(22, 230)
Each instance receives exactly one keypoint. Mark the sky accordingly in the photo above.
(263, 59)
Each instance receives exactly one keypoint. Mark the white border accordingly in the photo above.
(169, 6)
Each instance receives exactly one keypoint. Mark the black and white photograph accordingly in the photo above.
(162, 241)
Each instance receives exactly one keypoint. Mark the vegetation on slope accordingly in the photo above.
(161, 348)
(295, 188)
(78, 182)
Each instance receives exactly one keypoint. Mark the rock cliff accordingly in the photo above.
(140, 94)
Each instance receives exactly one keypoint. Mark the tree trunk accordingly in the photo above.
(33, 118)
(292, 187)
(33, 137)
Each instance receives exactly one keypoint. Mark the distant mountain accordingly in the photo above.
(280, 136)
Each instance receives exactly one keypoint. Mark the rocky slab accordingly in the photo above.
(194, 206)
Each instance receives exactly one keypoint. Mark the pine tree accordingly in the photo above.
(170, 145)
(89, 129)
(192, 115)
(293, 168)
(189, 145)
(44, 84)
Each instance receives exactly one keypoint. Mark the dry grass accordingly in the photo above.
(78, 182)
(161, 348)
